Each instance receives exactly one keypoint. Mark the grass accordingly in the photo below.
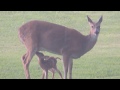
(102, 62)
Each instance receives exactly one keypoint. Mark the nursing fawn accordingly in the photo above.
(48, 63)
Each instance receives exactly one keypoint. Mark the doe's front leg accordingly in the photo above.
(65, 65)
(70, 66)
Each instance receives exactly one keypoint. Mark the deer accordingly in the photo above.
(39, 35)
(48, 63)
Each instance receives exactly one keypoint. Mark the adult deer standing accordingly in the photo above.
(45, 36)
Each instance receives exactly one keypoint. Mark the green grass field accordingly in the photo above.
(102, 62)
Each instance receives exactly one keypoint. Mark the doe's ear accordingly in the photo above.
(89, 20)
(100, 20)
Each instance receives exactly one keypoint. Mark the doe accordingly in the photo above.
(69, 43)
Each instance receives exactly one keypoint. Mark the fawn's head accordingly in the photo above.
(95, 27)
(40, 55)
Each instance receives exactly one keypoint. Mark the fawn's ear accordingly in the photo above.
(89, 20)
(100, 20)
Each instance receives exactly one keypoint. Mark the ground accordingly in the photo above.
(101, 62)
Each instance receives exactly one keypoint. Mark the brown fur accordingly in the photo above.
(44, 36)
(48, 63)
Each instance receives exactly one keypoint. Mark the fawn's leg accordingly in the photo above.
(46, 74)
(43, 74)
(58, 72)
(53, 73)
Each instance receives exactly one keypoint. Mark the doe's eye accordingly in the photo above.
(92, 26)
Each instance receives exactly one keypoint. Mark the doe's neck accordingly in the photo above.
(91, 40)
(92, 37)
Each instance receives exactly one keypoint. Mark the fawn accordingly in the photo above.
(48, 63)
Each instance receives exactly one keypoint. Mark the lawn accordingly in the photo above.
(102, 62)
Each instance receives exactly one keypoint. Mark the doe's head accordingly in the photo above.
(95, 26)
